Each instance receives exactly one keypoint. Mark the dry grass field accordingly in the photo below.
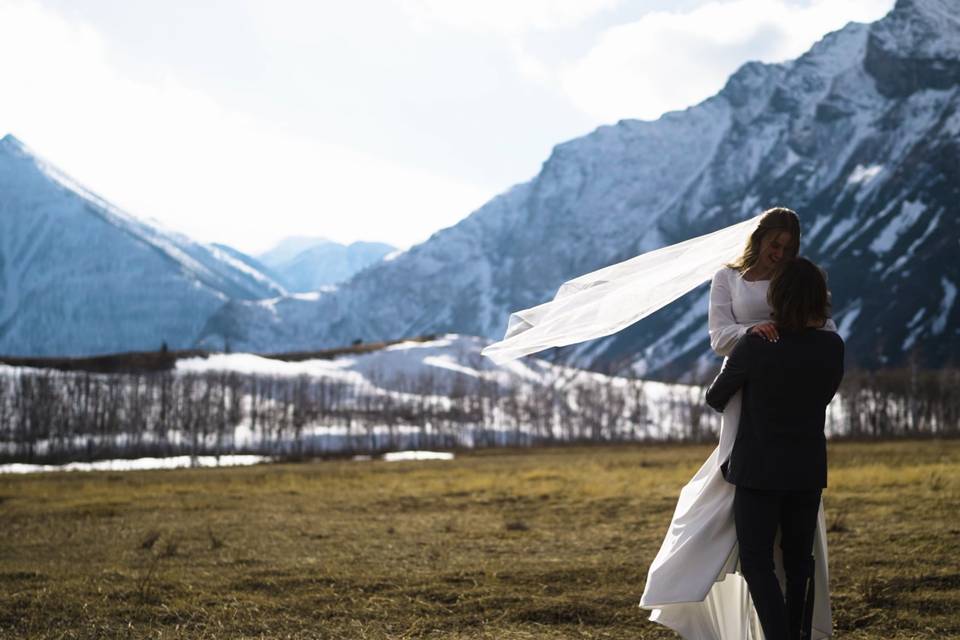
(549, 543)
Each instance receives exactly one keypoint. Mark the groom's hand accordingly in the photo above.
(766, 329)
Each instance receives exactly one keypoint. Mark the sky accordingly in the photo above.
(246, 121)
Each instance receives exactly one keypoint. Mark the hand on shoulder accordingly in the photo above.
(767, 330)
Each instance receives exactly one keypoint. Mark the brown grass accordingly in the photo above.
(550, 543)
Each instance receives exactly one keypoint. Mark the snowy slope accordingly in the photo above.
(79, 276)
(288, 248)
(399, 366)
(861, 135)
(452, 364)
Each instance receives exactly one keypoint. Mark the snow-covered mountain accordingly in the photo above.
(251, 262)
(79, 276)
(288, 248)
(861, 135)
(311, 264)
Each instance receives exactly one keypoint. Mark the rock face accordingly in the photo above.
(915, 48)
(78, 276)
(861, 135)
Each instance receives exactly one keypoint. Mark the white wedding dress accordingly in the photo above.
(693, 585)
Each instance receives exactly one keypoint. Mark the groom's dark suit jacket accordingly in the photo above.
(786, 387)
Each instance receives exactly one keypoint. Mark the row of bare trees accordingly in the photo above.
(898, 402)
(58, 416)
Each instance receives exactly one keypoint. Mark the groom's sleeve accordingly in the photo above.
(732, 375)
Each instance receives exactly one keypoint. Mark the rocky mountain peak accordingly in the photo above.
(749, 80)
(10, 141)
(915, 47)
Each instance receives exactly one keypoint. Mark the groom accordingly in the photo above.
(779, 459)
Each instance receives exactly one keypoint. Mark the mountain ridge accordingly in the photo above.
(860, 134)
(80, 276)
(822, 134)
(305, 264)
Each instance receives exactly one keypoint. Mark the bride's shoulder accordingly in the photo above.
(726, 274)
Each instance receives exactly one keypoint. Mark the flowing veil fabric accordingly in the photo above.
(607, 300)
(692, 585)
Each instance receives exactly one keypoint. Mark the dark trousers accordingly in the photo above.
(758, 513)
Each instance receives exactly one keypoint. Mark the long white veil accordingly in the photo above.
(605, 301)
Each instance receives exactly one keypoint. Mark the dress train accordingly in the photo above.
(693, 585)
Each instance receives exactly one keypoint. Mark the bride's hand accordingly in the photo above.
(766, 329)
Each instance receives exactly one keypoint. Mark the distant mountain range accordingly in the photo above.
(305, 264)
(861, 135)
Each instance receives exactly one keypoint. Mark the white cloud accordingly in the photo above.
(165, 151)
(671, 60)
(506, 17)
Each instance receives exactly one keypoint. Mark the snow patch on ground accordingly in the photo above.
(250, 364)
(139, 464)
(395, 456)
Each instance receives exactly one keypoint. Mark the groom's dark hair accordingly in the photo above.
(798, 295)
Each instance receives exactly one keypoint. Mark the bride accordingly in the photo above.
(692, 585)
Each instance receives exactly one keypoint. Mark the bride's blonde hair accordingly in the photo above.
(777, 219)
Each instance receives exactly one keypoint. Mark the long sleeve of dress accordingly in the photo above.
(723, 327)
(735, 370)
